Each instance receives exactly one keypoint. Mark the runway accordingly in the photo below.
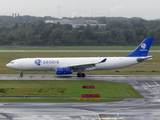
(146, 108)
(74, 77)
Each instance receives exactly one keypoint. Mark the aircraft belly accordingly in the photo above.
(32, 67)
(39, 69)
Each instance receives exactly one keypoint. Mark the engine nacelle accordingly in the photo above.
(63, 71)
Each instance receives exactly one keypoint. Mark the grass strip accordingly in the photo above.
(63, 88)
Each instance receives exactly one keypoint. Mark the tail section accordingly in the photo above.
(143, 48)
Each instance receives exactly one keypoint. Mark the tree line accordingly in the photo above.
(117, 31)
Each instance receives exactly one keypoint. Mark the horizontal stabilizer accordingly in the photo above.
(144, 59)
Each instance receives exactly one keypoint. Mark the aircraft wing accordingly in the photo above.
(85, 66)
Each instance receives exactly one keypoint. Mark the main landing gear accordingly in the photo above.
(81, 75)
(21, 74)
(78, 74)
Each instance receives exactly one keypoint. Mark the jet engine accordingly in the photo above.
(63, 71)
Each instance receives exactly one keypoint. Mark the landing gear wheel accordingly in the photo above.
(78, 74)
(21, 74)
(81, 75)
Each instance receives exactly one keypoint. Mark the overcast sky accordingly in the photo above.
(147, 9)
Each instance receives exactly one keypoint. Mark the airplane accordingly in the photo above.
(68, 65)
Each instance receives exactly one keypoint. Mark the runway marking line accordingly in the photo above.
(129, 108)
(99, 117)
(88, 111)
(148, 84)
(112, 118)
(156, 83)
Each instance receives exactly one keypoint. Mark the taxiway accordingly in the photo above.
(146, 108)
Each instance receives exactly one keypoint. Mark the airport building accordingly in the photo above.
(76, 23)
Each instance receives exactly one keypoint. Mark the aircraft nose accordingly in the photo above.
(7, 65)
(11, 65)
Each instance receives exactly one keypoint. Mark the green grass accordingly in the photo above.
(150, 67)
(77, 48)
(39, 88)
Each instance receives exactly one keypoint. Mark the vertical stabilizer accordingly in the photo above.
(143, 48)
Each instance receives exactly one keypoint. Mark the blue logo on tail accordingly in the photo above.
(143, 46)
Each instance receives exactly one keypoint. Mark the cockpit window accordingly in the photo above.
(12, 62)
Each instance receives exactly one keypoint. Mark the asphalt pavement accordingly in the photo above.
(146, 108)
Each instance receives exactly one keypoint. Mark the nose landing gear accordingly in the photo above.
(21, 74)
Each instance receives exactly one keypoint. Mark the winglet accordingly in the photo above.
(104, 60)
(143, 48)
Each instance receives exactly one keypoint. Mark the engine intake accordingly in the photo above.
(63, 71)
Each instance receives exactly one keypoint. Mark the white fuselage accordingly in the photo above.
(50, 64)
